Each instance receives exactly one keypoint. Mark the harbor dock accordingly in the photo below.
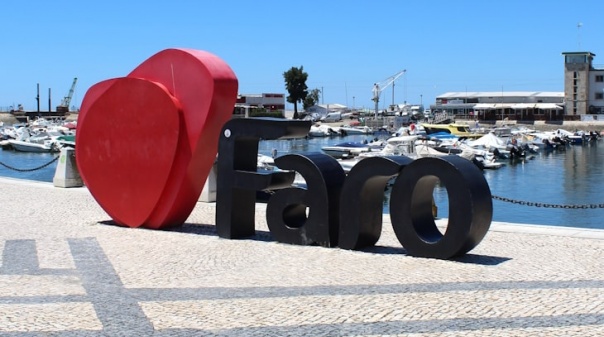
(67, 271)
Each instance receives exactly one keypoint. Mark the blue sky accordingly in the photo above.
(344, 46)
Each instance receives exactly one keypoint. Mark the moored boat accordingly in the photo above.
(459, 130)
(573, 138)
(346, 149)
(322, 130)
(25, 146)
(355, 130)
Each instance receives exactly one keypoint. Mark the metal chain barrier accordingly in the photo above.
(545, 205)
(31, 169)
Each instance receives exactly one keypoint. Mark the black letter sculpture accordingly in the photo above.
(346, 211)
(238, 179)
(470, 207)
(363, 195)
(286, 210)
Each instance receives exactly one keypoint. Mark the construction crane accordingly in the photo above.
(64, 106)
(380, 86)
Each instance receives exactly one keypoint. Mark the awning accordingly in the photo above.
(456, 106)
(503, 105)
(548, 106)
(484, 106)
(523, 106)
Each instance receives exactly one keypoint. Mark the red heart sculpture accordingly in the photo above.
(146, 143)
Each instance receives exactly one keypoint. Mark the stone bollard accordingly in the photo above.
(66, 174)
(208, 194)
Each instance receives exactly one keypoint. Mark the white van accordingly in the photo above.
(332, 117)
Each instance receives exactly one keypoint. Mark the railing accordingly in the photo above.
(441, 117)
(377, 123)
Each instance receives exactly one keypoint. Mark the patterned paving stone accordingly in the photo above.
(66, 271)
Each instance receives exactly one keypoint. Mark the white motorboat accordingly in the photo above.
(489, 141)
(490, 164)
(25, 146)
(572, 137)
(346, 149)
(395, 146)
(322, 131)
(430, 150)
(355, 130)
(265, 162)
(545, 140)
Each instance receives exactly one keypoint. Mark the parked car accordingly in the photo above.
(332, 117)
(427, 113)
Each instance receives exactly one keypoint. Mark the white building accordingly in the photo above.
(269, 101)
(324, 109)
(517, 105)
(582, 98)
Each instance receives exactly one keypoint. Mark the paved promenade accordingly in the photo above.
(66, 271)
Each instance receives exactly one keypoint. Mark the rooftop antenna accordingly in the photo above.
(579, 25)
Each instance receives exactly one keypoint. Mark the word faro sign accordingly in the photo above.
(150, 171)
(342, 210)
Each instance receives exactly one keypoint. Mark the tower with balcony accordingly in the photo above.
(577, 68)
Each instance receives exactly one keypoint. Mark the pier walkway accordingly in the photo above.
(66, 271)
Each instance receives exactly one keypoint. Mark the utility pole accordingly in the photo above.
(322, 96)
(579, 25)
(502, 110)
(38, 99)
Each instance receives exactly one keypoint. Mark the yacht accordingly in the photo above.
(459, 130)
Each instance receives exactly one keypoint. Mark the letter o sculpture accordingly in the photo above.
(470, 207)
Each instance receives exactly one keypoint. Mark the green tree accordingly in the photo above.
(295, 84)
(312, 98)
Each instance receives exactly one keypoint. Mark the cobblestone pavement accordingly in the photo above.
(66, 271)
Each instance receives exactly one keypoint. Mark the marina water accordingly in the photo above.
(572, 179)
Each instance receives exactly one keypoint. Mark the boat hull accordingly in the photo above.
(29, 147)
(346, 150)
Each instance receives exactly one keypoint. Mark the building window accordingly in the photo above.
(599, 78)
(599, 95)
(576, 59)
(574, 107)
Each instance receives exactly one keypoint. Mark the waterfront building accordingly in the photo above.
(268, 101)
(324, 109)
(499, 105)
(582, 98)
(583, 85)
